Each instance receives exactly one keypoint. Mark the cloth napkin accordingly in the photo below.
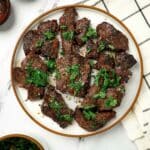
(136, 15)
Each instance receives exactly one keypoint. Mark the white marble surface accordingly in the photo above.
(12, 117)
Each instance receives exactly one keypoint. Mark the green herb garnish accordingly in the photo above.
(77, 86)
(91, 33)
(111, 47)
(62, 52)
(102, 45)
(49, 35)
(88, 49)
(111, 102)
(68, 35)
(74, 71)
(66, 117)
(57, 74)
(101, 94)
(51, 64)
(39, 43)
(91, 63)
(55, 105)
(36, 76)
(89, 115)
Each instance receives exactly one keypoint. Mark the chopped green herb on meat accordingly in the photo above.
(57, 74)
(66, 117)
(48, 35)
(51, 64)
(74, 71)
(77, 86)
(88, 49)
(39, 43)
(101, 94)
(36, 76)
(111, 47)
(111, 102)
(68, 35)
(91, 33)
(101, 46)
(55, 105)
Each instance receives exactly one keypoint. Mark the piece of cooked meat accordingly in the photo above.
(55, 107)
(30, 41)
(19, 76)
(93, 90)
(125, 60)
(92, 121)
(35, 61)
(112, 100)
(50, 25)
(74, 73)
(69, 16)
(67, 28)
(50, 49)
(81, 29)
(125, 74)
(105, 61)
(35, 93)
(115, 38)
(91, 49)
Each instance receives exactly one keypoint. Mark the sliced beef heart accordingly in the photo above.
(35, 61)
(125, 60)
(30, 40)
(64, 84)
(101, 118)
(35, 93)
(114, 37)
(50, 25)
(19, 76)
(81, 29)
(55, 107)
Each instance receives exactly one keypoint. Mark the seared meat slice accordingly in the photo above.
(115, 38)
(67, 28)
(35, 61)
(90, 120)
(105, 61)
(114, 97)
(91, 49)
(30, 42)
(35, 92)
(69, 16)
(123, 73)
(74, 73)
(19, 76)
(50, 25)
(92, 91)
(81, 29)
(55, 107)
(50, 49)
(125, 60)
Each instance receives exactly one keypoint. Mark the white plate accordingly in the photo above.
(133, 87)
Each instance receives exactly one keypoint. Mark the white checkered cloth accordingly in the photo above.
(136, 15)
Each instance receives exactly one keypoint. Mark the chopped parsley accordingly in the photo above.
(62, 52)
(39, 43)
(88, 49)
(57, 74)
(68, 35)
(111, 47)
(101, 94)
(36, 76)
(111, 102)
(91, 63)
(91, 33)
(77, 86)
(101, 46)
(49, 35)
(51, 64)
(63, 27)
(66, 117)
(74, 71)
(55, 105)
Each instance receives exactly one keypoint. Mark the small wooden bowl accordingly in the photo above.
(22, 136)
